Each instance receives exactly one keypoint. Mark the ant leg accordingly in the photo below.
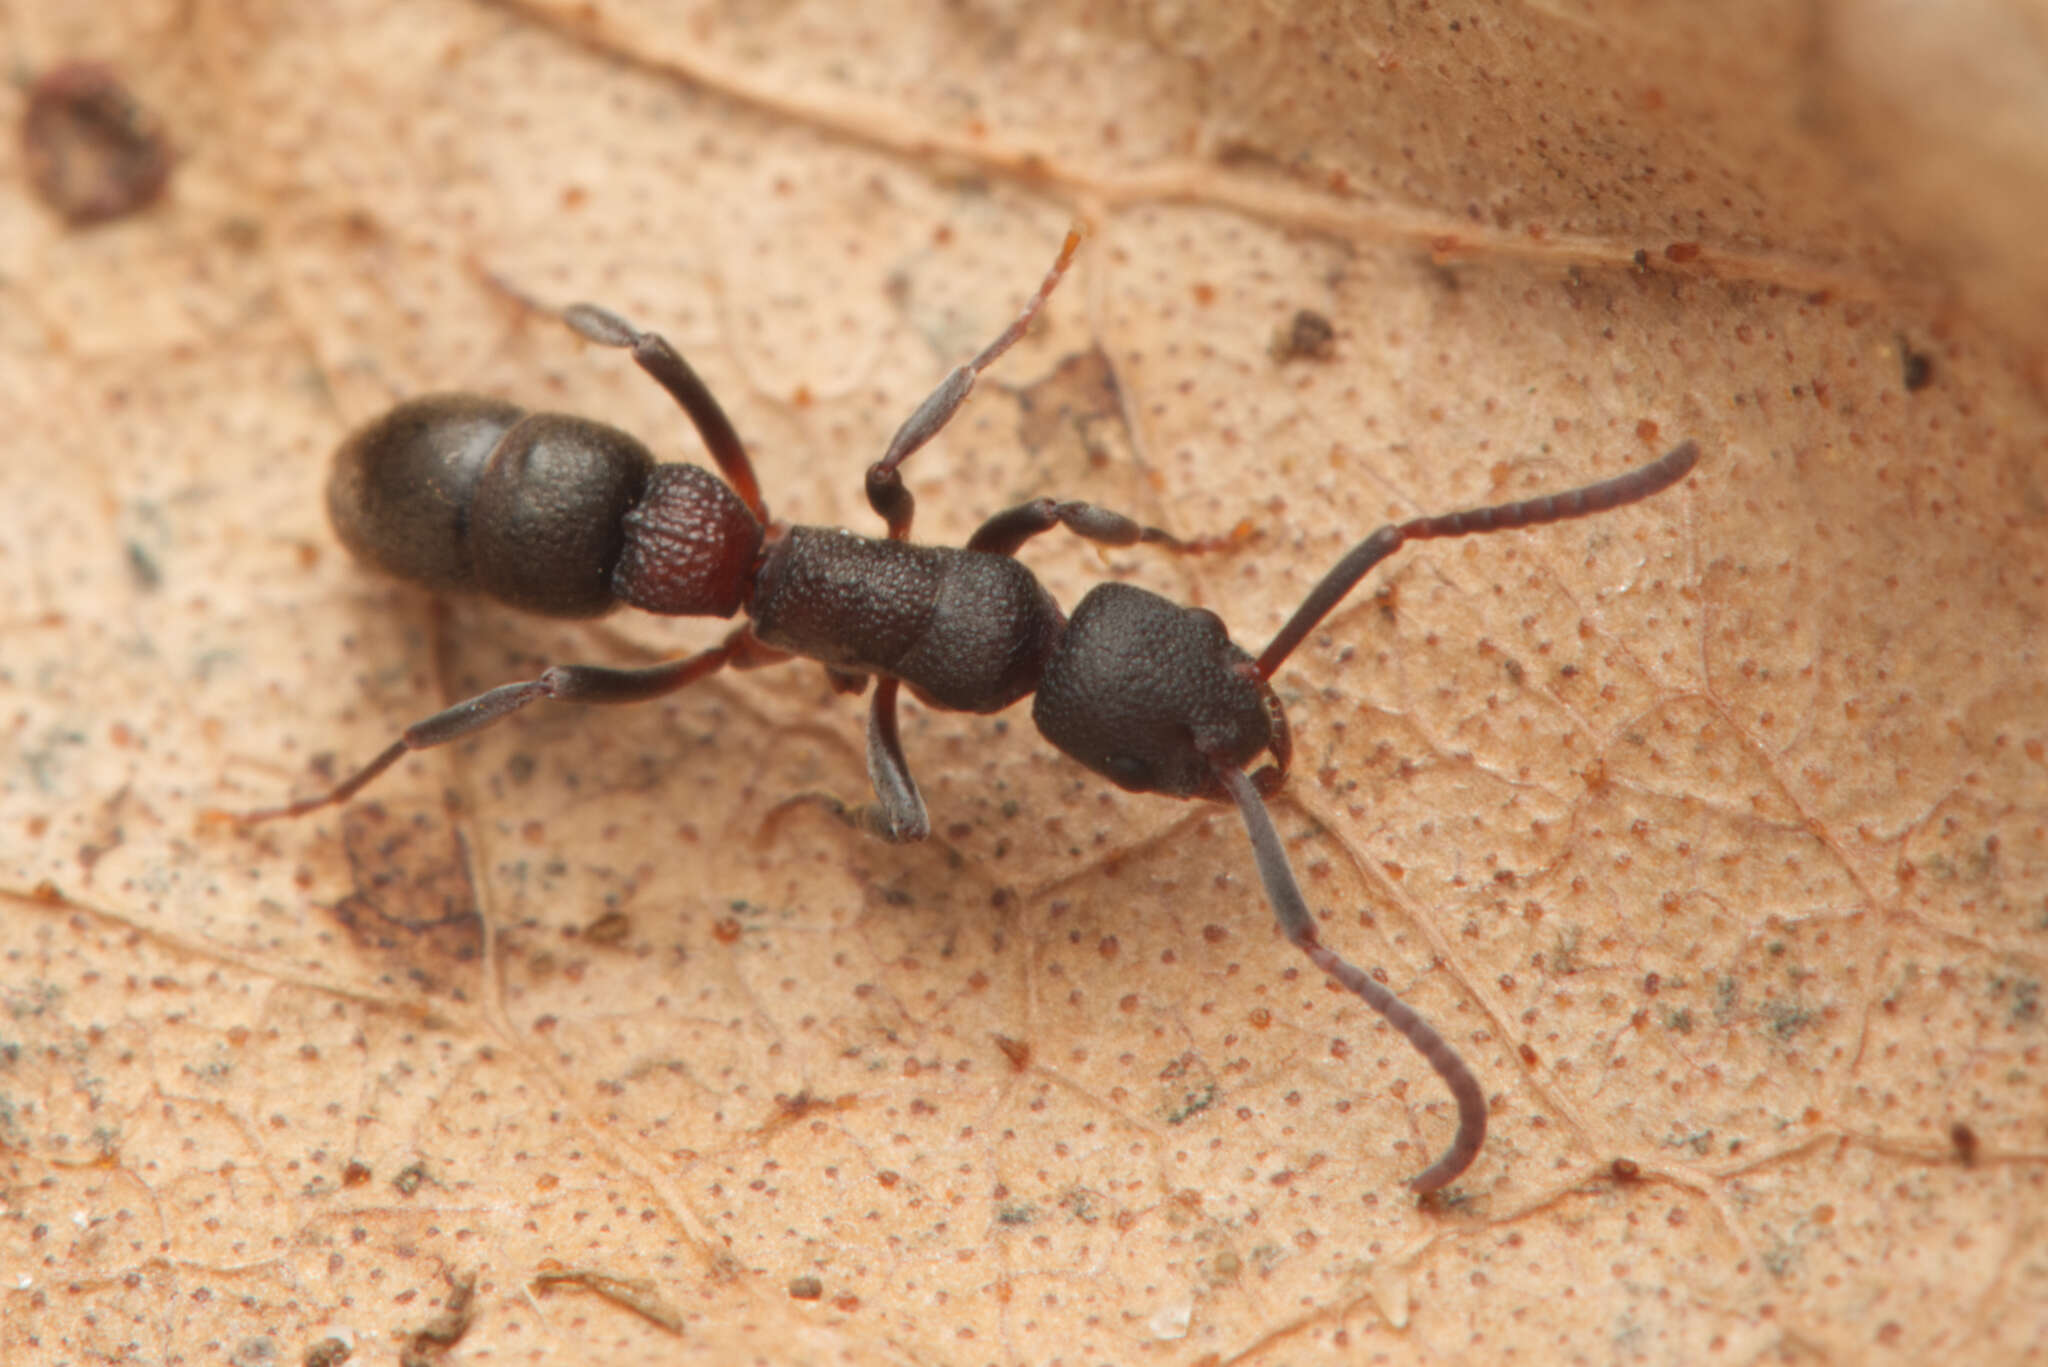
(887, 494)
(562, 683)
(1639, 483)
(653, 354)
(898, 814)
(1009, 529)
(1299, 926)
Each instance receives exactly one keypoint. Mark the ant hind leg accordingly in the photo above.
(560, 683)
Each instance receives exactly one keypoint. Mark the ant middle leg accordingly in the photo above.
(887, 494)
(898, 812)
(653, 354)
(559, 683)
(897, 815)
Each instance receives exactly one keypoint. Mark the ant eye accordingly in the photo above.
(1128, 771)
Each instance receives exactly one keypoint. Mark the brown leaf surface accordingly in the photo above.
(1712, 830)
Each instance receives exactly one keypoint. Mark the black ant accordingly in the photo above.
(567, 517)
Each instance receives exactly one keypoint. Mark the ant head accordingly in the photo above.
(1154, 696)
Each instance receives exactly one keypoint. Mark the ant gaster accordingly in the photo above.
(568, 517)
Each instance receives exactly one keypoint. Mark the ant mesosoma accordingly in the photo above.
(568, 517)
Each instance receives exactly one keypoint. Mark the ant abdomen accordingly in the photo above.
(544, 512)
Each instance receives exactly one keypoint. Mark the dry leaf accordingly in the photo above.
(1712, 830)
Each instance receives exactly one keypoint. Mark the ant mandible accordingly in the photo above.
(568, 517)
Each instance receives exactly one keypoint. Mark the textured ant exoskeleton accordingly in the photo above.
(568, 517)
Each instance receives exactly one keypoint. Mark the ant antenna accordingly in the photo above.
(1639, 483)
(1298, 925)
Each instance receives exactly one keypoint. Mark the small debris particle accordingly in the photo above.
(90, 150)
(637, 1294)
(328, 1352)
(428, 1344)
(142, 567)
(1308, 336)
(612, 928)
(1017, 1051)
(1916, 368)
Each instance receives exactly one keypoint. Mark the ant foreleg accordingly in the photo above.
(1298, 924)
(1009, 529)
(886, 492)
(1639, 483)
(560, 683)
(653, 354)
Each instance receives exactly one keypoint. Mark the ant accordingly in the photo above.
(567, 517)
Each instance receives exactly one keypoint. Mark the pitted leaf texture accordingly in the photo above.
(1710, 830)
